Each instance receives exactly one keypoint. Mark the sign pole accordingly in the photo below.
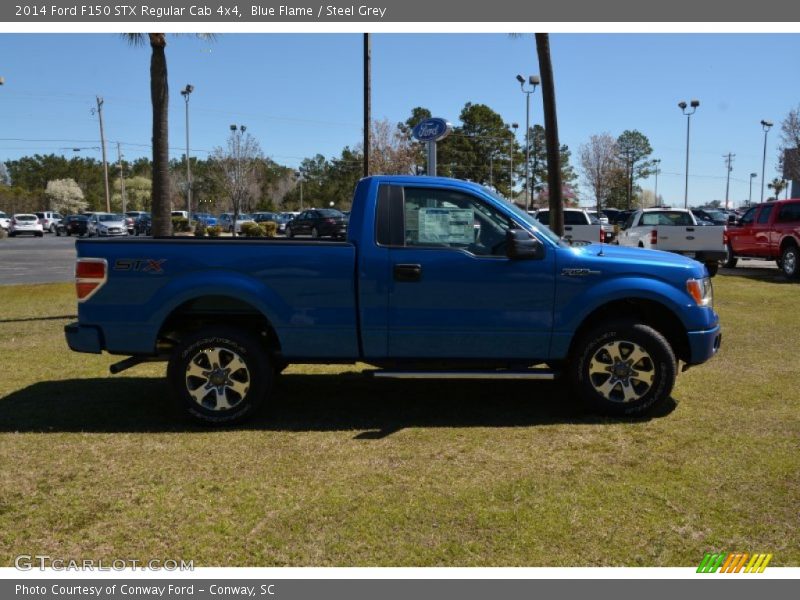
(432, 158)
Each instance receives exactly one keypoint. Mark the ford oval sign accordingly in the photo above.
(432, 130)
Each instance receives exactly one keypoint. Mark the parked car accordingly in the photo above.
(25, 223)
(412, 292)
(131, 217)
(143, 224)
(282, 219)
(49, 220)
(675, 230)
(769, 231)
(263, 217)
(182, 214)
(578, 225)
(226, 222)
(206, 219)
(5, 221)
(107, 225)
(318, 222)
(75, 224)
(712, 215)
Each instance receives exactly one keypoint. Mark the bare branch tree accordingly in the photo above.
(790, 141)
(598, 161)
(235, 168)
(391, 151)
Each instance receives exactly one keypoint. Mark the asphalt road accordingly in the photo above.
(28, 259)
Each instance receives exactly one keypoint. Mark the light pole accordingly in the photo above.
(683, 106)
(299, 175)
(766, 126)
(533, 81)
(237, 183)
(750, 197)
(657, 163)
(186, 92)
(514, 126)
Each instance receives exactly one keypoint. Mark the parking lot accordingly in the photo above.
(28, 259)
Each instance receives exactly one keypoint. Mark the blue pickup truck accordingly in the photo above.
(438, 278)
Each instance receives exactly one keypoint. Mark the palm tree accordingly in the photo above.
(778, 185)
(551, 133)
(159, 95)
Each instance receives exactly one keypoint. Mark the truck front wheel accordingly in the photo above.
(730, 258)
(220, 375)
(623, 368)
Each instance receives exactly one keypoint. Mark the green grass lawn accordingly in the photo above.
(341, 470)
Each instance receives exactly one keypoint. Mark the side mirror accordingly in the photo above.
(520, 245)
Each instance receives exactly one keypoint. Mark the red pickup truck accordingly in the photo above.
(768, 231)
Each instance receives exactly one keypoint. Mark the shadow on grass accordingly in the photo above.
(756, 274)
(372, 408)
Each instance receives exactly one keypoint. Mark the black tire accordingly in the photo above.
(789, 262)
(314, 233)
(12, 234)
(289, 233)
(731, 260)
(712, 267)
(40, 234)
(52, 229)
(648, 386)
(219, 351)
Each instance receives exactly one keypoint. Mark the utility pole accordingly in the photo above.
(729, 164)
(367, 100)
(103, 146)
(121, 178)
(657, 163)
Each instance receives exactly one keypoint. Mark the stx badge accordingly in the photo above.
(145, 265)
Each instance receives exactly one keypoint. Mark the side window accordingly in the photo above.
(789, 213)
(766, 211)
(749, 216)
(629, 221)
(543, 217)
(439, 218)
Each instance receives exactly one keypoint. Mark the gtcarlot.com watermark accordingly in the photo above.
(44, 562)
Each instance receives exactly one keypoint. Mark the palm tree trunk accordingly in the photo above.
(551, 134)
(159, 93)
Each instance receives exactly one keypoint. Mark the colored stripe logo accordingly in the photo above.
(734, 562)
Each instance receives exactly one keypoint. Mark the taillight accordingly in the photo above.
(90, 275)
(330, 220)
(724, 237)
(653, 237)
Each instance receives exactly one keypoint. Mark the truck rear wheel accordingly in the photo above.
(789, 262)
(623, 368)
(220, 375)
(712, 267)
(730, 258)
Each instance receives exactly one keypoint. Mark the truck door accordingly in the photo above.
(453, 291)
(742, 238)
(761, 230)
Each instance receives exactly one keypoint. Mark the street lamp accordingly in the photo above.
(186, 92)
(533, 81)
(237, 184)
(657, 163)
(766, 126)
(683, 106)
(750, 197)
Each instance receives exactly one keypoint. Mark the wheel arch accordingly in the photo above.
(646, 311)
(217, 309)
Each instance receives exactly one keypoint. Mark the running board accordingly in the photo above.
(531, 374)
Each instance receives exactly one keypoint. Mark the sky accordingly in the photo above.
(301, 94)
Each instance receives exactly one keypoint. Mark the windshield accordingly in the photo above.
(329, 212)
(525, 218)
(110, 217)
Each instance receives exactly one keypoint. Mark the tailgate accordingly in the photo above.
(690, 239)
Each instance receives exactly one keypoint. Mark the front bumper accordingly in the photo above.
(704, 344)
(83, 338)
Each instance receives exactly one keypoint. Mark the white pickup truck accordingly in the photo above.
(578, 225)
(675, 230)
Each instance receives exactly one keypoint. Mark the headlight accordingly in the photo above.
(701, 291)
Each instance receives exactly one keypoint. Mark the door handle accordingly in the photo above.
(568, 228)
(407, 272)
(690, 229)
